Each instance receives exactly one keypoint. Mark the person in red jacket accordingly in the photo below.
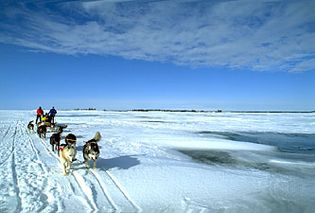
(40, 113)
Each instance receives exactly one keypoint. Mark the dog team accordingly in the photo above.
(66, 152)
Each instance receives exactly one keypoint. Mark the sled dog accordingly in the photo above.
(71, 140)
(30, 126)
(41, 130)
(91, 150)
(67, 155)
(55, 140)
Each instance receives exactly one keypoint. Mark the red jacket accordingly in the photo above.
(40, 111)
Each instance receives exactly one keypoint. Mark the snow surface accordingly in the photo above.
(163, 162)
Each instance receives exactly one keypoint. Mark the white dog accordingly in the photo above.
(67, 155)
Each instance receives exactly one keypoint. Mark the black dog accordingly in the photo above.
(30, 126)
(55, 140)
(41, 130)
(91, 150)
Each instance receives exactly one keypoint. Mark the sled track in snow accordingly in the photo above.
(12, 146)
(81, 182)
(6, 132)
(125, 194)
(84, 188)
(81, 185)
(14, 173)
(103, 189)
(45, 169)
(8, 142)
(31, 173)
(100, 189)
(35, 151)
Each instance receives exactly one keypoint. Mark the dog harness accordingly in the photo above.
(71, 141)
(62, 146)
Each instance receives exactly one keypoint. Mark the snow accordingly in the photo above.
(163, 162)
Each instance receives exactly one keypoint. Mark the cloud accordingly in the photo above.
(260, 35)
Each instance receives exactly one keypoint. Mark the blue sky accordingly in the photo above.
(230, 55)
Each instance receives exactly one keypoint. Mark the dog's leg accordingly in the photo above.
(68, 167)
(86, 163)
(94, 166)
(75, 154)
(63, 165)
(57, 146)
(65, 169)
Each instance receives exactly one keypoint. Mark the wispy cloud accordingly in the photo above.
(258, 35)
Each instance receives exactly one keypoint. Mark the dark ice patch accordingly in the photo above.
(285, 142)
(210, 157)
(226, 159)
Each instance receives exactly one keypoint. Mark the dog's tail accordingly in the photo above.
(97, 136)
(30, 122)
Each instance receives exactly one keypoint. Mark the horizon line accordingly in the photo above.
(173, 110)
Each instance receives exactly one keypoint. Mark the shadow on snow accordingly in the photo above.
(121, 162)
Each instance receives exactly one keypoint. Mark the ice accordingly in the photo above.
(163, 162)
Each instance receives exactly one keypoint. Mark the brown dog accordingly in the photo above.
(42, 130)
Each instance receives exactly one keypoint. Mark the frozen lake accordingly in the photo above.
(163, 162)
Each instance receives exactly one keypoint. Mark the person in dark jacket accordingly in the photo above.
(52, 114)
(40, 113)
